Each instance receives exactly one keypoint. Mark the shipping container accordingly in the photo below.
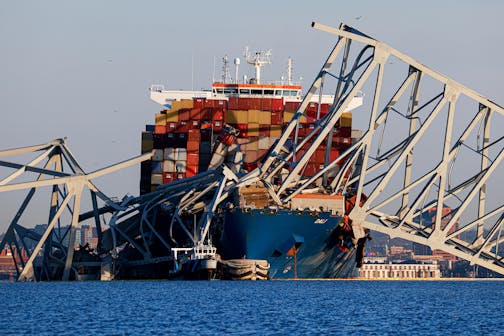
(193, 146)
(184, 114)
(236, 116)
(157, 167)
(157, 155)
(263, 142)
(159, 141)
(180, 154)
(157, 179)
(172, 116)
(191, 170)
(199, 102)
(169, 154)
(276, 118)
(180, 166)
(205, 147)
(192, 159)
(160, 119)
(253, 130)
(168, 166)
(168, 177)
(275, 131)
(194, 135)
(264, 130)
(158, 129)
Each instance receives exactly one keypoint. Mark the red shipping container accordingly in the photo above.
(194, 135)
(243, 128)
(193, 124)
(216, 103)
(193, 146)
(276, 118)
(252, 104)
(320, 155)
(264, 130)
(191, 170)
(234, 103)
(206, 113)
(184, 114)
(192, 159)
(168, 177)
(182, 127)
(159, 129)
(292, 106)
(343, 132)
(266, 104)
(277, 104)
(217, 125)
(195, 114)
(171, 127)
(217, 114)
(199, 102)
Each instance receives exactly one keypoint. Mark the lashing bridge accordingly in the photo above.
(427, 143)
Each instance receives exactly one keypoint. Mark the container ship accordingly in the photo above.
(236, 124)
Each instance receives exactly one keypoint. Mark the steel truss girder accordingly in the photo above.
(67, 189)
(400, 213)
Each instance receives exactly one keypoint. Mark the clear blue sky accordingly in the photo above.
(82, 69)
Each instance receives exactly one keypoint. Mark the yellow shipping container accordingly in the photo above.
(346, 119)
(253, 130)
(236, 117)
(253, 116)
(264, 118)
(275, 131)
(287, 116)
(172, 116)
(160, 119)
(184, 103)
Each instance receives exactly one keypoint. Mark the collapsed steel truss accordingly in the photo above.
(55, 246)
(405, 186)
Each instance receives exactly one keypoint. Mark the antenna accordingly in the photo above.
(237, 64)
(226, 76)
(289, 71)
(259, 59)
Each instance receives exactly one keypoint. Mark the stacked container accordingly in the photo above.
(182, 138)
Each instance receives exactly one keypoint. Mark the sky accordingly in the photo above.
(82, 70)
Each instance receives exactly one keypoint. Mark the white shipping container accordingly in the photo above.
(169, 154)
(169, 166)
(180, 154)
(180, 166)
(264, 142)
(157, 155)
(157, 179)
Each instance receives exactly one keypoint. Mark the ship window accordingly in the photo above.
(256, 92)
(220, 90)
(244, 91)
(268, 92)
(229, 91)
(290, 93)
(278, 92)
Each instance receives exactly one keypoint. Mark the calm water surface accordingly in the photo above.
(257, 308)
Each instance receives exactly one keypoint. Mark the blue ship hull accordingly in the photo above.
(308, 243)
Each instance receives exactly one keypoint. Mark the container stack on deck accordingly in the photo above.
(182, 137)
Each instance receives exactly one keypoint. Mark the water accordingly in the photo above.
(256, 308)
